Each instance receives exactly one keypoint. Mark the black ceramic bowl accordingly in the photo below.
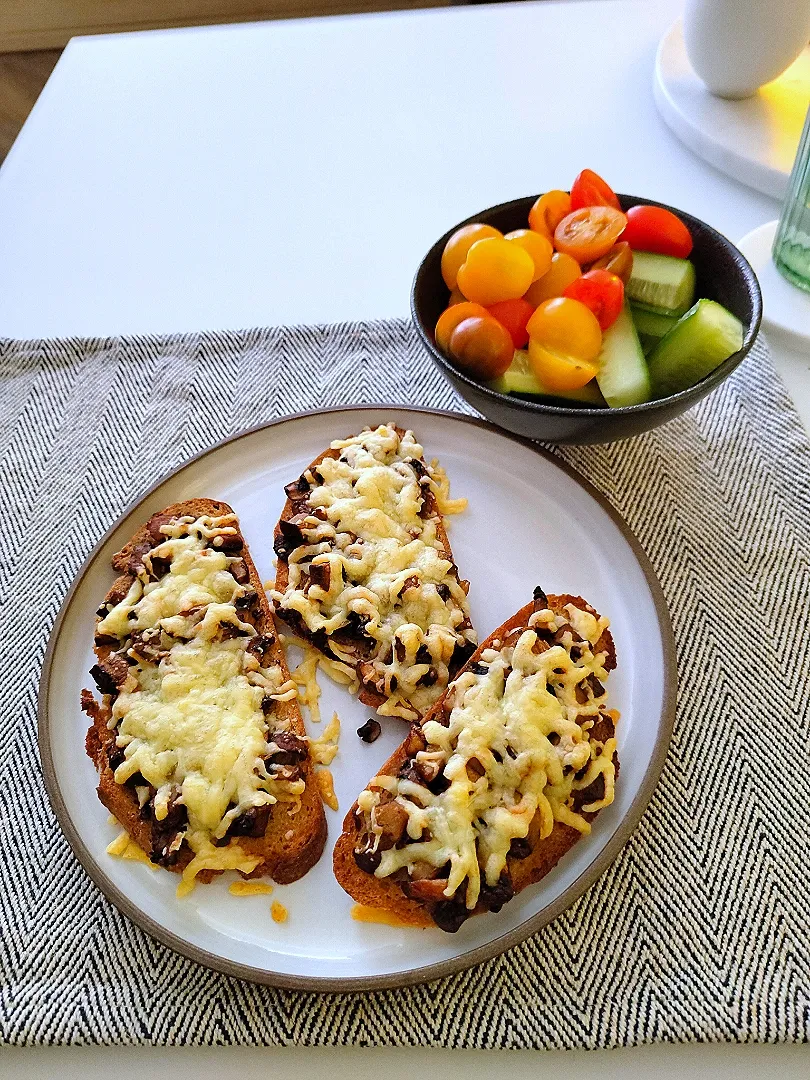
(723, 274)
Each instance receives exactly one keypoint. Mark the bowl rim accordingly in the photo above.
(699, 390)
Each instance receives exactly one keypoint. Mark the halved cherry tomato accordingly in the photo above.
(618, 261)
(548, 211)
(495, 269)
(557, 371)
(589, 233)
(601, 292)
(563, 271)
(456, 248)
(482, 347)
(514, 314)
(537, 245)
(564, 343)
(451, 317)
(652, 228)
(589, 189)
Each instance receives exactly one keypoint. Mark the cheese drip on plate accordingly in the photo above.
(195, 716)
(372, 573)
(515, 744)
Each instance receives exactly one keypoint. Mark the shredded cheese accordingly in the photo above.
(305, 677)
(326, 784)
(441, 492)
(249, 888)
(515, 745)
(124, 847)
(323, 750)
(372, 573)
(363, 913)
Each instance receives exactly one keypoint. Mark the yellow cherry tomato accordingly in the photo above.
(452, 316)
(563, 271)
(556, 371)
(548, 212)
(495, 269)
(564, 343)
(456, 248)
(537, 245)
(456, 297)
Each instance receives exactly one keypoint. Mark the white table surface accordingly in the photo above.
(296, 172)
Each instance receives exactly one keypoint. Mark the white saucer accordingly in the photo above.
(786, 308)
(753, 141)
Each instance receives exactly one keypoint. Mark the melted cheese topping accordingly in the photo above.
(516, 745)
(386, 567)
(193, 723)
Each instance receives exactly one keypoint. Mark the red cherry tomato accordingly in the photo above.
(513, 315)
(600, 291)
(652, 228)
(482, 347)
(589, 189)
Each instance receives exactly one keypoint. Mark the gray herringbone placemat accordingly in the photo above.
(701, 929)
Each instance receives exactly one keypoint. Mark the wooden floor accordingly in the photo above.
(22, 76)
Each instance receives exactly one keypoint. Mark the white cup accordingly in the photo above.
(736, 46)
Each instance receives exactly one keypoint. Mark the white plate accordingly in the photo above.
(530, 522)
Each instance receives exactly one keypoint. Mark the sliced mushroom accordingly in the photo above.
(392, 819)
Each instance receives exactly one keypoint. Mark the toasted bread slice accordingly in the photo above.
(382, 835)
(366, 573)
(228, 622)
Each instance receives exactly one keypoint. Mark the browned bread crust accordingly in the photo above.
(284, 857)
(385, 893)
(369, 695)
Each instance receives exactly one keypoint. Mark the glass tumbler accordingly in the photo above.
(791, 246)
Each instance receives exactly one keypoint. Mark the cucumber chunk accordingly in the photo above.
(520, 379)
(699, 342)
(662, 282)
(623, 376)
(652, 324)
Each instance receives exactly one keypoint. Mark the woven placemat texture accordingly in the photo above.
(700, 930)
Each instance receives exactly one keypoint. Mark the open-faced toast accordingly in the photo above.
(198, 740)
(365, 571)
(498, 781)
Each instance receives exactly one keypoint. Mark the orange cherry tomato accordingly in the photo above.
(563, 271)
(548, 211)
(601, 292)
(537, 245)
(449, 320)
(652, 228)
(564, 343)
(482, 347)
(514, 315)
(456, 248)
(495, 269)
(589, 233)
(619, 261)
(589, 189)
